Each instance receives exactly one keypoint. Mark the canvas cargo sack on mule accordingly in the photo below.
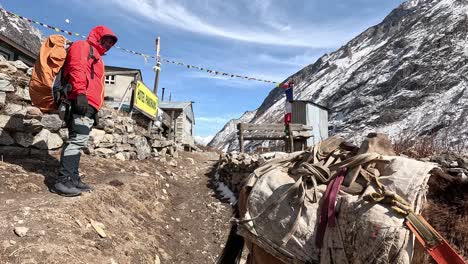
(285, 217)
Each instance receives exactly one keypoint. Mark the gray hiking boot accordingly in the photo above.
(66, 189)
(84, 187)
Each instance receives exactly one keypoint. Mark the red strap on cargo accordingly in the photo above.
(327, 212)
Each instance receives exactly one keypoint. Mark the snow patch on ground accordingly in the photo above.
(226, 193)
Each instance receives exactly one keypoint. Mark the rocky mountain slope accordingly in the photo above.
(406, 75)
(20, 31)
(223, 139)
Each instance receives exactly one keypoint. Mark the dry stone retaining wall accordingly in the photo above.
(234, 167)
(24, 129)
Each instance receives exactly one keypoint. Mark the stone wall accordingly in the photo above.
(234, 168)
(24, 129)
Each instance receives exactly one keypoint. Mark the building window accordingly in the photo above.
(110, 79)
(6, 53)
(26, 61)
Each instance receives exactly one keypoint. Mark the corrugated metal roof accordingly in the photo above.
(173, 105)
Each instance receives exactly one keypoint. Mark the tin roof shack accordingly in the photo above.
(311, 114)
(118, 81)
(181, 122)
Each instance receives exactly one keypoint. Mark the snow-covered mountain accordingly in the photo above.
(406, 75)
(20, 31)
(223, 140)
(202, 140)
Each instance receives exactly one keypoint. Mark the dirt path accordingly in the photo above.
(147, 210)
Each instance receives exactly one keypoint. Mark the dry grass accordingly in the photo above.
(447, 210)
(447, 200)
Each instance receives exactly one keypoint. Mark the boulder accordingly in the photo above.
(127, 155)
(14, 151)
(55, 141)
(47, 140)
(117, 138)
(125, 139)
(33, 112)
(124, 148)
(15, 109)
(23, 93)
(142, 147)
(2, 98)
(119, 156)
(163, 152)
(155, 153)
(120, 129)
(106, 145)
(22, 82)
(5, 77)
(130, 128)
(96, 136)
(23, 139)
(108, 138)
(11, 123)
(161, 143)
(52, 122)
(108, 125)
(19, 65)
(32, 125)
(63, 133)
(6, 86)
(6, 67)
(104, 152)
(5, 138)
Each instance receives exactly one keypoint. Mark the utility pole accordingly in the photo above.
(157, 70)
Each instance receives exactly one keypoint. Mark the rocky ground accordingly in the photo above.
(141, 212)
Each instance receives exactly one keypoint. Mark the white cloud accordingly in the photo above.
(301, 60)
(228, 21)
(213, 120)
(234, 82)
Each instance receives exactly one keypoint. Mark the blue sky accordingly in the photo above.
(268, 39)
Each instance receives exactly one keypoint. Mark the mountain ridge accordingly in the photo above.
(405, 75)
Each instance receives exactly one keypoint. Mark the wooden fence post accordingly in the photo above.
(291, 139)
(240, 128)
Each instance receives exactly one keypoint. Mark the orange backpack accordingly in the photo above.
(47, 71)
(48, 88)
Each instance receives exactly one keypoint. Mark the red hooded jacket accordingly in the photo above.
(78, 67)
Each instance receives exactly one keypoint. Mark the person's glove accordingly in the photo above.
(81, 104)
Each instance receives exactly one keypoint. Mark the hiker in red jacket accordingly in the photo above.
(84, 70)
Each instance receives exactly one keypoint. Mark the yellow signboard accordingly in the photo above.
(146, 101)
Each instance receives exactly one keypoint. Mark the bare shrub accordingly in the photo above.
(426, 146)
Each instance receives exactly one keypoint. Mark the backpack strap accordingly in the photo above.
(91, 56)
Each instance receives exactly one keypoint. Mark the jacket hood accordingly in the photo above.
(96, 34)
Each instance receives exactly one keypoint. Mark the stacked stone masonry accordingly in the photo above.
(25, 130)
